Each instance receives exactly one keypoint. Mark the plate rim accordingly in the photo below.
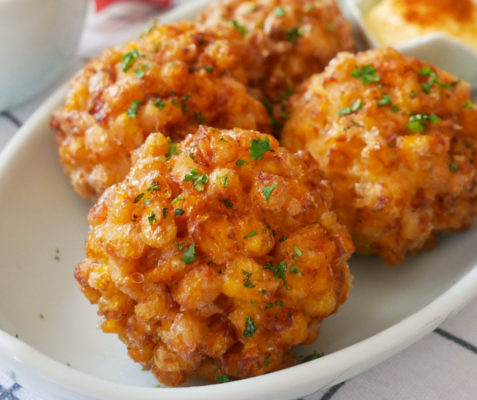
(299, 379)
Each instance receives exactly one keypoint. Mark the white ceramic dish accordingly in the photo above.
(439, 49)
(389, 309)
(37, 39)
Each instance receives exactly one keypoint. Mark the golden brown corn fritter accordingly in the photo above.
(171, 80)
(397, 139)
(284, 41)
(216, 256)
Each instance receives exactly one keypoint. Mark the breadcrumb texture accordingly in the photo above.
(284, 41)
(192, 275)
(396, 182)
(170, 80)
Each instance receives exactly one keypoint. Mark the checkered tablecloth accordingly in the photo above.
(441, 366)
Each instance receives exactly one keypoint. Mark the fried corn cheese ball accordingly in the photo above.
(216, 257)
(397, 138)
(285, 41)
(170, 80)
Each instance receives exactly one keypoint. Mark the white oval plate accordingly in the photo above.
(42, 219)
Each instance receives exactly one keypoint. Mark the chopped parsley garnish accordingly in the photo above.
(279, 272)
(426, 86)
(298, 252)
(199, 181)
(222, 139)
(279, 303)
(269, 107)
(189, 255)
(222, 378)
(294, 34)
(223, 179)
(250, 327)
(251, 234)
(367, 74)
(394, 108)
(210, 70)
(312, 357)
(132, 112)
(220, 272)
(202, 120)
(128, 59)
(267, 191)
(191, 155)
(159, 103)
(357, 105)
(417, 123)
(178, 198)
(468, 104)
(269, 305)
(294, 269)
(239, 163)
(179, 212)
(266, 362)
(282, 239)
(139, 73)
(385, 101)
(165, 213)
(259, 147)
(279, 11)
(180, 247)
(172, 149)
(154, 188)
(453, 167)
(152, 218)
(228, 204)
(262, 291)
(243, 31)
(248, 283)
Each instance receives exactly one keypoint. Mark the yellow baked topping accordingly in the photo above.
(395, 21)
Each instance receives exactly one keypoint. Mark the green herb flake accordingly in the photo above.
(267, 191)
(266, 362)
(165, 213)
(42, 316)
(312, 357)
(189, 255)
(128, 59)
(172, 149)
(357, 105)
(178, 198)
(468, 104)
(222, 139)
(248, 283)
(294, 34)
(251, 234)
(223, 179)
(152, 218)
(279, 11)
(385, 101)
(258, 147)
(453, 167)
(228, 204)
(262, 291)
(283, 239)
(298, 252)
(269, 305)
(202, 120)
(294, 270)
(139, 73)
(210, 70)
(219, 272)
(344, 111)
(279, 272)
(367, 74)
(279, 303)
(132, 112)
(239, 163)
(243, 31)
(250, 327)
(179, 212)
(418, 122)
(191, 155)
(193, 174)
(222, 378)
(159, 103)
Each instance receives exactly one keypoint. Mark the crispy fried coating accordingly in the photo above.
(217, 260)
(397, 139)
(170, 80)
(284, 41)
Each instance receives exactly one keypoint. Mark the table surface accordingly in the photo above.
(443, 365)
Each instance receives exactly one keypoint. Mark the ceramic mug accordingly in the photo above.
(37, 39)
